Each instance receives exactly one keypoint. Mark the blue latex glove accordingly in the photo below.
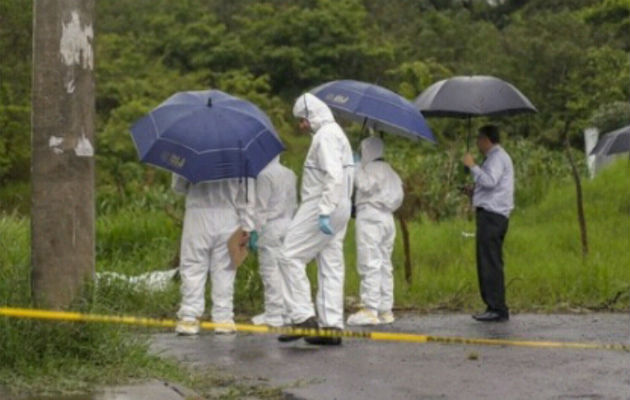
(324, 225)
(356, 157)
(253, 240)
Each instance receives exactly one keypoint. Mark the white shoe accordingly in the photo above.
(386, 317)
(226, 328)
(263, 319)
(275, 322)
(259, 319)
(188, 326)
(363, 317)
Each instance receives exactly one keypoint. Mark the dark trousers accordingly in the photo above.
(491, 230)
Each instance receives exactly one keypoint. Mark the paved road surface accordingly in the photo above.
(362, 369)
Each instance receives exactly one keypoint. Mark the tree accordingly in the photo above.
(554, 62)
(611, 116)
(302, 46)
(15, 81)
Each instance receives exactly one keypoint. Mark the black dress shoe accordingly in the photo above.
(491, 316)
(309, 323)
(324, 340)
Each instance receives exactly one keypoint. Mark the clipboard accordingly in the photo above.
(237, 246)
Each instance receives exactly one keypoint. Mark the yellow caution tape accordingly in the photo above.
(383, 336)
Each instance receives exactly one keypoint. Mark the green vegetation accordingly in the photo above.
(544, 267)
(51, 358)
(544, 270)
(569, 57)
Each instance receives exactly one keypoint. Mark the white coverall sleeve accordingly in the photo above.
(179, 184)
(246, 203)
(264, 191)
(330, 161)
(488, 175)
(398, 192)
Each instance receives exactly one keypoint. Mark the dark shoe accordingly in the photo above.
(309, 323)
(491, 316)
(324, 340)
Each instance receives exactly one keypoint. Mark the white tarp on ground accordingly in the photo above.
(154, 281)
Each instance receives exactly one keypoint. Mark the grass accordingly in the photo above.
(46, 358)
(544, 271)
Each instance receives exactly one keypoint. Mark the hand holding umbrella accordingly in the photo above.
(468, 160)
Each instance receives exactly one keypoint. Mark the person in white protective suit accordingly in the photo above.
(214, 211)
(276, 201)
(319, 226)
(379, 192)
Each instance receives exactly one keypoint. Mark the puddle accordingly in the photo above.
(74, 397)
(155, 390)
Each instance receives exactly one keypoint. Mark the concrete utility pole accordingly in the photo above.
(62, 166)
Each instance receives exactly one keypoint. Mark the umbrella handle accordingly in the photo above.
(246, 183)
(363, 125)
(240, 159)
(468, 138)
(243, 173)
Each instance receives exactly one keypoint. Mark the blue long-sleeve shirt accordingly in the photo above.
(494, 182)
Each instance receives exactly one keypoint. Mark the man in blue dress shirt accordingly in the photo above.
(493, 199)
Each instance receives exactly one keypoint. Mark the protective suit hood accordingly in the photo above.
(371, 149)
(314, 110)
(275, 160)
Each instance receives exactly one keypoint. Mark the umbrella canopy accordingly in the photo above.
(375, 107)
(472, 96)
(207, 135)
(466, 96)
(617, 141)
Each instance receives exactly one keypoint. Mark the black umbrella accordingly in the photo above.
(472, 96)
(617, 141)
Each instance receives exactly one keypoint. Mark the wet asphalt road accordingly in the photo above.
(362, 369)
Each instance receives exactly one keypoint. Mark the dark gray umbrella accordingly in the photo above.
(617, 141)
(472, 96)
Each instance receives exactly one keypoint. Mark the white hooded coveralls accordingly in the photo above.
(276, 201)
(326, 190)
(214, 210)
(379, 193)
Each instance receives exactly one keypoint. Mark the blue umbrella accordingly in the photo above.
(374, 106)
(207, 135)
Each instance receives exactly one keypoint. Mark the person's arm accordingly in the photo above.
(398, 195)
(179, 184)
(330, 161)
(488, 176)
